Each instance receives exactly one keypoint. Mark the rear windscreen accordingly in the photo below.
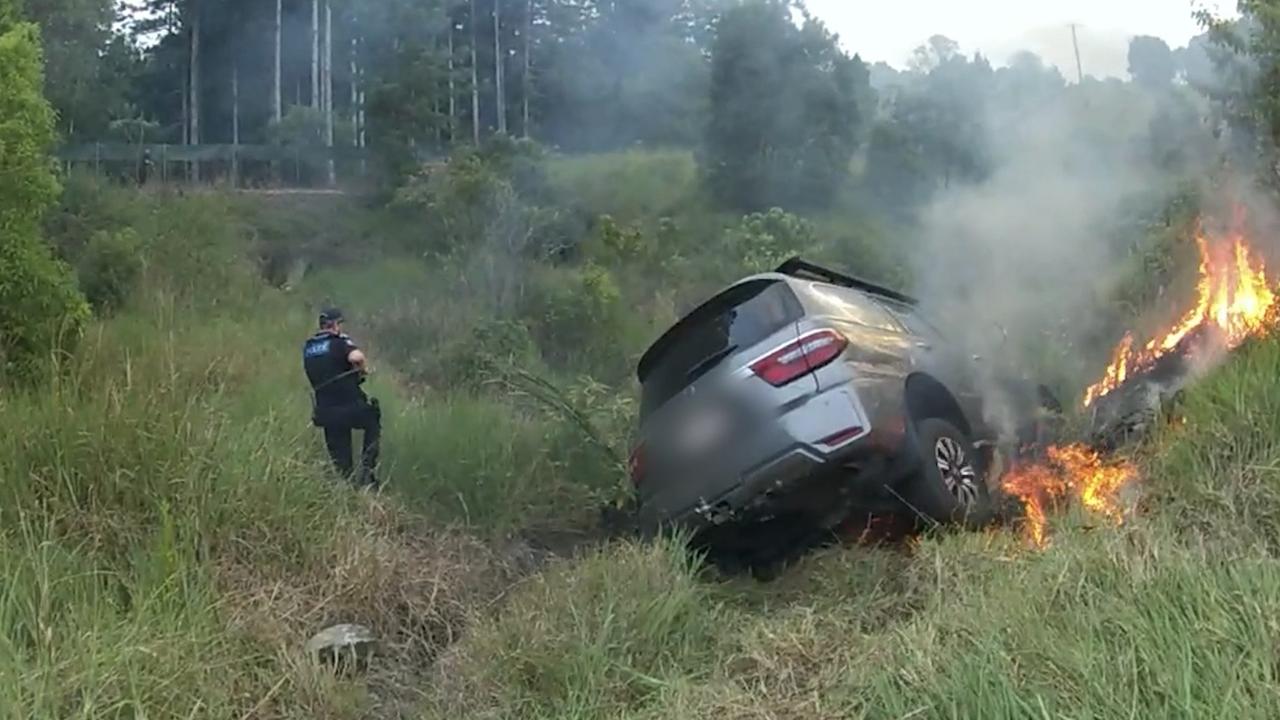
(736, 319)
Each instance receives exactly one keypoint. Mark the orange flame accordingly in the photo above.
(1071, 471)
(1233, 296)
(1234, 300)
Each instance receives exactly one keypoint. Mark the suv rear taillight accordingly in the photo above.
(635, 466)
(801, 357)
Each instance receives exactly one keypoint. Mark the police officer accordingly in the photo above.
(336, 369)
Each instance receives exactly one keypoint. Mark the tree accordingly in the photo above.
(617, 73)
(1246, 58)
(938, 51)
(499, 68)
(1151, 62)
(935, 133)
(277, 88)
(785, 119)
(40, 309)
(89, 70)
(475, 76)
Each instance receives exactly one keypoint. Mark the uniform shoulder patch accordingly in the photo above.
(316, 348)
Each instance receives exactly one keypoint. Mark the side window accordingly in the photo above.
(852, 305)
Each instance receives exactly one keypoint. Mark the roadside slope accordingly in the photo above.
(1171, 615)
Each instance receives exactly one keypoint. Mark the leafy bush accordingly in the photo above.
(469, 362)
(90, 204)
(40, 309)
(109, 268)
(464, 204)
(579, 320)
(763, 240)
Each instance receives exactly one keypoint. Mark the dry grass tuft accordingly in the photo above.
(415, 587)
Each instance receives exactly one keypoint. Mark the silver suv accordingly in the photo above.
(795, 397)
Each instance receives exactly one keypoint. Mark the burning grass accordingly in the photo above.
(1234, 302)
(1234, 298)
(1071, 472)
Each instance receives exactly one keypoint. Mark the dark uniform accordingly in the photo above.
(340, 404)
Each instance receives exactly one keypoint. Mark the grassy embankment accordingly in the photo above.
(171, 538)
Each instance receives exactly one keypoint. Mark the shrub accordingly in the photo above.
(579, 320)
(763, 240)
(469, 362)
(480, 198)
(40, 309)
(109, 269)
(89, 204)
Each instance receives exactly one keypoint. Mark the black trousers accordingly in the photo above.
(338, 424)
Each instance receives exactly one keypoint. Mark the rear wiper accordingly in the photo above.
(709, 362)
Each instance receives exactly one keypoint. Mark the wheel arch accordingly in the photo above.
(926, 397)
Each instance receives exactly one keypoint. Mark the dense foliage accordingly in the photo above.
(785, 109)
(171, 534)
(40, 309)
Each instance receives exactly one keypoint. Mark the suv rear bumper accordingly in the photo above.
(800, 479)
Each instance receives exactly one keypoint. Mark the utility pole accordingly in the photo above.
(1075, 42)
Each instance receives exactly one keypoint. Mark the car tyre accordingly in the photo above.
(950, 485)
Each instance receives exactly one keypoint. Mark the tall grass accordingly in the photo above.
(491, 467)
(170, 532)
(631, 185)
(1170, 615)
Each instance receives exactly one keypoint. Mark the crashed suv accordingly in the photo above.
(793, 398)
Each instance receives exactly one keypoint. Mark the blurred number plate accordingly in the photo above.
(703, 428)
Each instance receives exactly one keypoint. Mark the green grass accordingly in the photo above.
(170, 533)
(1170, 615)
(491, 467)
(631, 185)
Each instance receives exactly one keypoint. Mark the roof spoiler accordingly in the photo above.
(799, 268)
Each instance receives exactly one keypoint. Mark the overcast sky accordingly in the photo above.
(889, 30)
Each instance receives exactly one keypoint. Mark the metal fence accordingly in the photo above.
(237, 164)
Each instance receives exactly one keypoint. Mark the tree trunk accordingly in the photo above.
(453, 92)
(235, 122)
(277, 84)
(475, 77)
(525, 82)
(499, 63)
(315, 54)
(277, 90)
(355, 93)
(328, 89)
(195, 84)
(186, 107)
